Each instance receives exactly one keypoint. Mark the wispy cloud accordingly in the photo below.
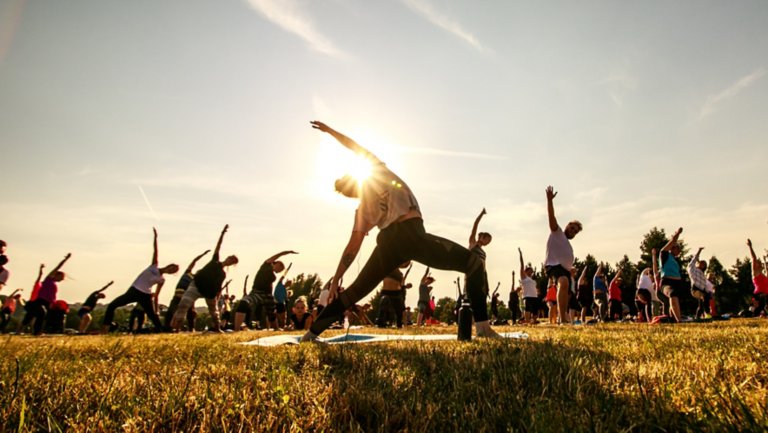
(734, 89)
(288, 15)
(443, 152)
(446, 23)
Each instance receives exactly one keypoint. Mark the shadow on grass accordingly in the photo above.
(487, 386)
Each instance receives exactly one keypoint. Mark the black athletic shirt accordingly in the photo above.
(209, 279)
(262, 283)
(90, 301)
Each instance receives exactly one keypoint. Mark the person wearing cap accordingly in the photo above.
(386, 202)
(84, 313)
(260, 299)
(559, 255)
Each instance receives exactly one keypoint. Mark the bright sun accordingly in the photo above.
(335, 161)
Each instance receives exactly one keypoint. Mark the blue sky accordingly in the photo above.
(119, 115)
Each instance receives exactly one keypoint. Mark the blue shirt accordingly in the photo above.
(669, 266)
(280, 293)
(599, 285)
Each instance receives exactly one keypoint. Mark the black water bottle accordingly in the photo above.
(465, 320)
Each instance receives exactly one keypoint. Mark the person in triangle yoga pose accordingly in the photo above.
(388, 203)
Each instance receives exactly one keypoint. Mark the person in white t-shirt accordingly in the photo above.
(559, 258)
(530, 294)
(388, 203)
(140, 291)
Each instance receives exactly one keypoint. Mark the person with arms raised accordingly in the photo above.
(388, 203)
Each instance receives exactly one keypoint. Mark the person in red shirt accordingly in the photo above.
(614, 298)
(551, 299)
(9, 307)
(760, 280)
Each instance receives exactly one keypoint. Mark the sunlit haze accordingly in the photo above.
(117, 116)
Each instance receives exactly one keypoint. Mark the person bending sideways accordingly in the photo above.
(388, 203)
(140, 291)
(671, 279)
(207, 284)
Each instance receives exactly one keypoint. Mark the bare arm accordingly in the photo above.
(154, 246)
(39, 274)
(672, 241)
(245, 286)
(616, 277)
(192, 264)
(221, 239)
(347, 258)
(551, 194)
(156, 297)
(426, 274)
(522, 263)
(473, 235)
(755, 268)
(285, 272)
(106, 286)
(583, 276)
(58, 267)
(655, 266)
(15, 292)
(405, 277)
(345, 141)
(278, 255)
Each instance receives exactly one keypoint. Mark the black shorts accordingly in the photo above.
(531, 304)
(243, 307)
(644, 295)
(672, 288)
(558, 271)
(584, 297)
(280, 308)
(573, 304)
(82, 312)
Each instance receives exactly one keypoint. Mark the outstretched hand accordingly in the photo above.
(749, 242)
(483, 212)
(321, 126)
(551, 193)
(224, 230)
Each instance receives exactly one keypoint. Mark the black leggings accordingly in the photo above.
(133, 295)
(172, 309)
(761, 299)
(36, 310)
(397, 244)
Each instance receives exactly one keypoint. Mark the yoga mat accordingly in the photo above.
(279, 340)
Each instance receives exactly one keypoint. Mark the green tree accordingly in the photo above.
(444, 308)
(305, 285)
(741, 272)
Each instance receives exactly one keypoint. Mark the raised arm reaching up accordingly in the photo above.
(473, 235)
(756, 264)
(245, 286)
(192, 263)
(105, 287)
(58, 267)
(583, 276)
(672, 242)
(655, 267)
(522, 263)
(551, 194)
(154, 246)
(616, 277)
(221, 239)
(274, 258)
(345, 141)
(39, 274)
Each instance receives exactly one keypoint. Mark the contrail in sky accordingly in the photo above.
(146, 200)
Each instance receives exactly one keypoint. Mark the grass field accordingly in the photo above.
(619, 377)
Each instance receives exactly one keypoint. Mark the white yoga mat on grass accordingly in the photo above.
(279, 340)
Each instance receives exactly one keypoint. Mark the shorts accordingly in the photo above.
(280, 308)
(644, 296)
(83, 311)
(558, 271)
(573, 304)
(422, 307)
(697, 293)
(672, 288)
(531, 304)
(243, 307)
(584, 297)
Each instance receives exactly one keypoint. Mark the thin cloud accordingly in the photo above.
(619, 84)
(446, 23)
(734, 89)
(288, 15)
(442, 152)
